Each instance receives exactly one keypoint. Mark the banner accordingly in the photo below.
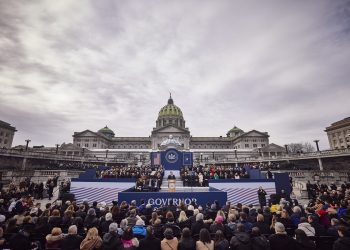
(158, 199)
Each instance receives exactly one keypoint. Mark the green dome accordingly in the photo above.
(235, 130)
(106, 131)
(170, 109)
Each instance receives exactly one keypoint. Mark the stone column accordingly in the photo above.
(320, 164)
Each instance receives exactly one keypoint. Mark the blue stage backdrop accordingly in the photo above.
(162, 198)
(172, 159)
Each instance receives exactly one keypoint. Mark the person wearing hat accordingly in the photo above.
(217, 225)
(169, 242)
(280, 240)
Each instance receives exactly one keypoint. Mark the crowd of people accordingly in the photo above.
(148, 178)
(65, 165)
(200, 175)
(284, 225)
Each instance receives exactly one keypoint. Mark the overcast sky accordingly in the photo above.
(276, 66)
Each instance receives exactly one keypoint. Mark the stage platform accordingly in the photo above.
(244, 191)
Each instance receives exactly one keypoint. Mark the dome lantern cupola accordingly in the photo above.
(234, 132)
(107, 132)
(170, 114)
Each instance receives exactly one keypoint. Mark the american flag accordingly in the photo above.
(156, 159)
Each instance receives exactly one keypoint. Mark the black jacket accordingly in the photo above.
(111, 241)
(263, 227)
(260, 243)
(71, 242)
(342, 244)
(282, 241)
(241, 241)
(187, 244)
(149, 243)
(20, 241)
(222, 245)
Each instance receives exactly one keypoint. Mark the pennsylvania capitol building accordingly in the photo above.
(171, 131)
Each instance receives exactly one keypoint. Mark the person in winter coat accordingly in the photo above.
(280, 240)
(111, 239)
(150, 242)
(217, 225)
(241, 239)
(303, 242)
(186, 241)
(92, 240)
(262, 197)
(259, 242)
(221, 243)
(260, 223)
(204, 242)
(198, 225)
(169, 242)
(72, 240)
(139, 228)
(306, 227)
(128, 239)
(343, 242)
(54, 240)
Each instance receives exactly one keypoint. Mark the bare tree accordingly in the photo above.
(301, 147)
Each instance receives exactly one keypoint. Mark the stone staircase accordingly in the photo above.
(179, 184)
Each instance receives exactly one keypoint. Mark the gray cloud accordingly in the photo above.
(276, 66)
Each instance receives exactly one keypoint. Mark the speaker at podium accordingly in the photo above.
(172, 185)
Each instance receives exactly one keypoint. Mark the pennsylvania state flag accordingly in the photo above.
(187, 158)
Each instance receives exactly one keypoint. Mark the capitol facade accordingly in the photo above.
(171, 125)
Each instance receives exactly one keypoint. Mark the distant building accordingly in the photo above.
(7, 132)
(171, 122)
(339, 134)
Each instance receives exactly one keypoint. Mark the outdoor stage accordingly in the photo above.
(244, 191)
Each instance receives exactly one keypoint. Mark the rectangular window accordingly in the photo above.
(7, 135)
(86, 140)
(247, 145)
(94, 145)
(254, 140)
(86, 145)
(262, 145)
(255, 145)
(78, 144)
(5, 141)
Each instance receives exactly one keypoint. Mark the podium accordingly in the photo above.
(171, 185)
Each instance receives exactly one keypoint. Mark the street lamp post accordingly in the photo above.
(317, 147)
(57, 145)
(27, 143)
(236, 157)
(286, 147)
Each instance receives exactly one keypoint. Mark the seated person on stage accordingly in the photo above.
(171, 176)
